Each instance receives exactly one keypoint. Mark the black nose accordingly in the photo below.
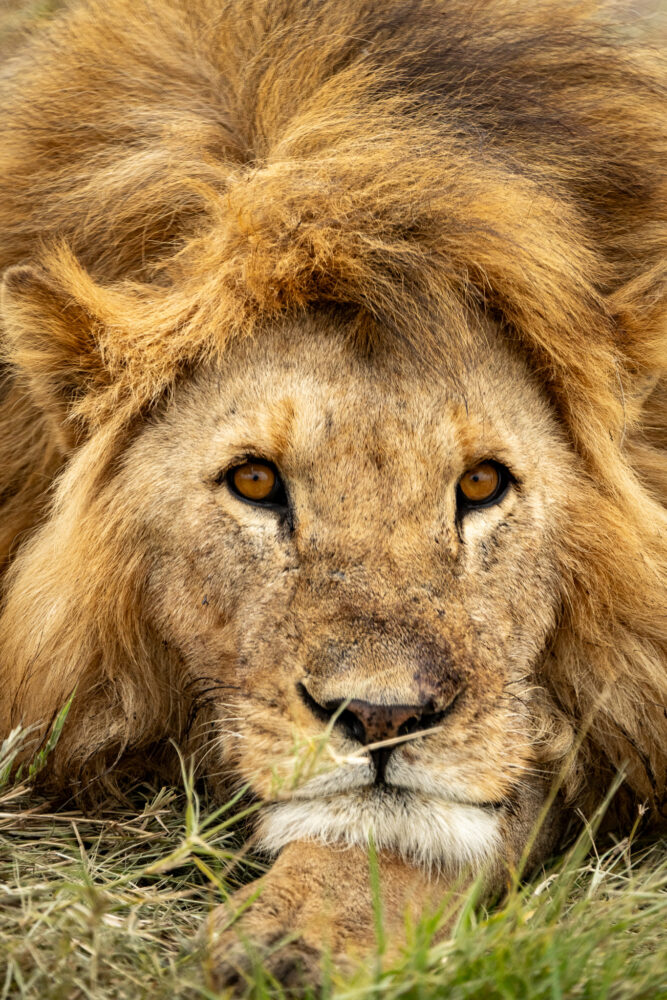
(368, 723)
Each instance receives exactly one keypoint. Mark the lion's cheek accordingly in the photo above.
(228, 594)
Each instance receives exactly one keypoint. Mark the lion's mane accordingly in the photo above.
(178, 173)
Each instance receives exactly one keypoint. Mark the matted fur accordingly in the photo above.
(180, 173)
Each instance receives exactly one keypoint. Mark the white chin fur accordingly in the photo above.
(424, 830)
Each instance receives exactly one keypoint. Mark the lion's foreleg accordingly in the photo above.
(332, 902)
(318, 901)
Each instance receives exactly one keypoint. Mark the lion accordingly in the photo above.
(333, 425)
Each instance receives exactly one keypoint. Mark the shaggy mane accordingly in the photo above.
(180, 172)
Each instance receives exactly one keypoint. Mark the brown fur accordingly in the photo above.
(457, 197)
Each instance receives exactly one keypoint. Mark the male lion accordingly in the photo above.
(333, 338)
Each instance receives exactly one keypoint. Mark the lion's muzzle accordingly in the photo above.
(373, 724)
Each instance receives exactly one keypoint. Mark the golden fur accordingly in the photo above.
(449, 197)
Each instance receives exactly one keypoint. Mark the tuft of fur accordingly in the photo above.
(175, 174)
(418, 834)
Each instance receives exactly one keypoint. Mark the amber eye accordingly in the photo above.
(257, 482)
(483, 485)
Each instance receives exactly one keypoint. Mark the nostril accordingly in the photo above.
(350, 723)
(411, 725)
(425, 720)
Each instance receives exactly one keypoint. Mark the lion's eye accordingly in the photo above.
(483, 485)
(257, 482)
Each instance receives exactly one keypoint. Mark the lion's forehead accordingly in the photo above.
(308, 402)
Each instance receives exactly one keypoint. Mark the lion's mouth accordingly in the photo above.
(397, 793)
(361, 776)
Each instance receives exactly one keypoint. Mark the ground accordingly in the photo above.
(111, 906)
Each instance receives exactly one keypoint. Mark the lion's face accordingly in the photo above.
(370, 603)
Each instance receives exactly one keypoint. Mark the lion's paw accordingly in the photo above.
(311, 913)
(294, 964)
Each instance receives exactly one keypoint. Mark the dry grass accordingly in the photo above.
(109, 907)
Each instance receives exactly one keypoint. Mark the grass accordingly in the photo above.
(111, 906)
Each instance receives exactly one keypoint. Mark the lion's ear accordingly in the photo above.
(48, 342)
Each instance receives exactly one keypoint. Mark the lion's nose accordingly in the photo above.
(368, 723)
